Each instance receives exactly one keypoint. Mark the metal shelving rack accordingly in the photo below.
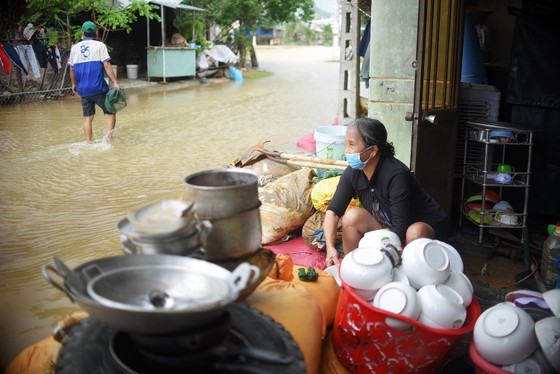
(479, 150)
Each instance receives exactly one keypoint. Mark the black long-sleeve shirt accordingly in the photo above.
(402, 201)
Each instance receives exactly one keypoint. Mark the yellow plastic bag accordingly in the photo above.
(323, 192)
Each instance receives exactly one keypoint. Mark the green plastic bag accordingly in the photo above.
(115, 100)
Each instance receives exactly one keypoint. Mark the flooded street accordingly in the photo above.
(62, 197)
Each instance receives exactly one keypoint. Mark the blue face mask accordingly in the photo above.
(354, 160)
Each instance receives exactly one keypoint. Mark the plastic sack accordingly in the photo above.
(269, 170)
(235, 74)
(115, 100)
(323, 192)
(286, 205)
(313, 234)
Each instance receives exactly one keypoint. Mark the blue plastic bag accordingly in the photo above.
(235, 74)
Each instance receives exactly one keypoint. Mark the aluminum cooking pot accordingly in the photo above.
(234, 236)
(157, 303)
(220, 193)
(182, 243)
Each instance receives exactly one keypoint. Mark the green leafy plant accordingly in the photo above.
(58, 17)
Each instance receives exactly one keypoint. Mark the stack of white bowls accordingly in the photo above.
(506, 335)
(427, 284)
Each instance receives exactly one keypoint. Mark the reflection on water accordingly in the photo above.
(63, 197)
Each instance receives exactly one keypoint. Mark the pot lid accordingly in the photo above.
(162, 216)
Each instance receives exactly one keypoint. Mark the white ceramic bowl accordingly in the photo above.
(441, 307)
(505, 334)
(400, 276)
(425, 261)
(548, 336)
(398, 298)
(530, 365)
(379, 238)
(552, 298)
(367, 295)
(366, 269)
(462, 285)
(455, 260)
(333, 270)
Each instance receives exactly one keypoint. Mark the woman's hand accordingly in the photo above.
(332, 256)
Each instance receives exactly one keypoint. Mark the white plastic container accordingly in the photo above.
(331, 142)
(132, 71)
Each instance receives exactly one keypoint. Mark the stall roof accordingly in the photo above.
(176, 4)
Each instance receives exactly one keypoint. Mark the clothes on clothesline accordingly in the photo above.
(14, 56)
(4, 60)
(56, 57)
(26, 50)
(364, 42)
(30, 57)
(363, 51)
(364, 71)
(41, 54)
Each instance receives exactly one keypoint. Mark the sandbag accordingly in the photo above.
(269, 170)
(312, 231)
(295, 308)
(325, 291)
(286, 204)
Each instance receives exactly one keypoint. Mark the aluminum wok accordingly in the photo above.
(151, 321)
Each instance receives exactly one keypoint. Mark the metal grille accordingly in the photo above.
(15, 89)
(471, 109)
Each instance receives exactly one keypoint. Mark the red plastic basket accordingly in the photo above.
(481, 365)
(364, 343)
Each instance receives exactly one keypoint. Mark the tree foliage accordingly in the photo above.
(62, 16)
(241, 18)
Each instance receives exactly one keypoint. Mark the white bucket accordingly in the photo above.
(330, 142)
(114, 70)
(132, 71)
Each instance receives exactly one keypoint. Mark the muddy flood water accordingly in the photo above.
(62, 197)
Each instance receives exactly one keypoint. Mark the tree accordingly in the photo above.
(56, 16)
(241, 18)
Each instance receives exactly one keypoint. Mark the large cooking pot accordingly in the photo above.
(234, 236)
(220, 193)
(129, 297)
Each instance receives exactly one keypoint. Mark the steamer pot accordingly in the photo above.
(234, 236)
(144, 320)
(220, 193)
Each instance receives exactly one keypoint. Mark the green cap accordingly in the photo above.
(88, 27)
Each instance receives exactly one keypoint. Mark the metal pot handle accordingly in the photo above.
(244, 275)
(46, 270)
(204, 229)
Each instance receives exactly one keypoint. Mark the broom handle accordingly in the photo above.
(314, 165)
(316, 160)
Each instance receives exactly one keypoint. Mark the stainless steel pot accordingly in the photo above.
(234, 236)
(142, 319)
(125, 228)
(187, 242)
(220, 193)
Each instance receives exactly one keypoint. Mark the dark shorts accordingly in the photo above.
(88, 104)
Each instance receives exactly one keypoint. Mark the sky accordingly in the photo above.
(326, 5)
